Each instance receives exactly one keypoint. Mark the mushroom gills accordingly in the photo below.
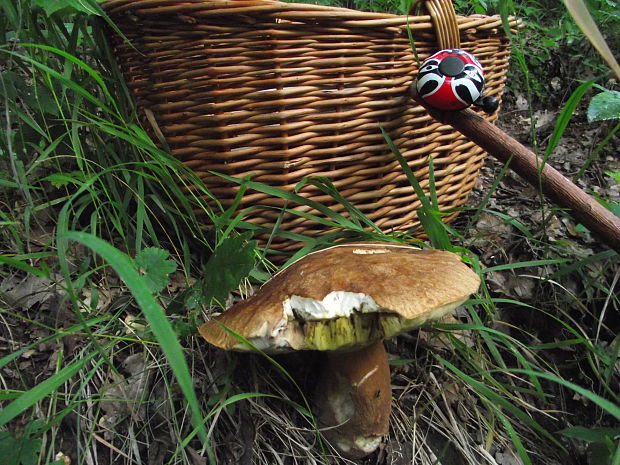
(349, 331)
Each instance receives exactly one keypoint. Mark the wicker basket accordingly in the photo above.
(284, 91)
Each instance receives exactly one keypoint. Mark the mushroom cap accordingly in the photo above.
(344, 297)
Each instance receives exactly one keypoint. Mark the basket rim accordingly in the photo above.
(188, 10)
(264, 6)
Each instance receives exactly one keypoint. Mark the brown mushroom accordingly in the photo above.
(345, 300)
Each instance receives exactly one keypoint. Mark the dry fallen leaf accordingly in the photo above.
(26, 292)
(507, 458)
(122, 396)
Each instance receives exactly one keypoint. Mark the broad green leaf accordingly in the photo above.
(36, 97)
(9, 81)
(59, 180)
(604, 106)
(22, 450)
(614, 174)
(155, 266)
(590, 434)
(8, 9)
(231, 261)
(72, 6)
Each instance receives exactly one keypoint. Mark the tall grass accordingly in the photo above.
(105, 261)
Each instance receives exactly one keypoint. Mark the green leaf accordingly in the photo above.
(71, 6)
(590, 434)
(59, 180)
(604, 106)
(155, 266)
(231, 261)
(614, 174)
(20, 450)
(8, 8)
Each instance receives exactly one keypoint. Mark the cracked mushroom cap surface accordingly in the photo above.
(344, 297)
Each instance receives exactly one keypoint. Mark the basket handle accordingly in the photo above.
(443, 17)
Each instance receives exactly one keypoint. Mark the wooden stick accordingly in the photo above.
(525, 163)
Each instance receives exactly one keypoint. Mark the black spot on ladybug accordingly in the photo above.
(430, 85)
(473, 73)
(464, 93)
(429, 67)
(451, 66)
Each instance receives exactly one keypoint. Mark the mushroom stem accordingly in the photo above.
(354, 398)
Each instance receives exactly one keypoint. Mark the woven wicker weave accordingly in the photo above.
(283, 91)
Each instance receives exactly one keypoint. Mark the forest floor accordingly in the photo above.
(495, 240)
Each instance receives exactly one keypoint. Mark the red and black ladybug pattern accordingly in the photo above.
(451, 79)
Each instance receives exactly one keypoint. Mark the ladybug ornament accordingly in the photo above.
(452, 80)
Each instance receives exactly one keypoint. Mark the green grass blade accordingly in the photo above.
(75, 60)
(578, 265)
(58, 334)
(20, 265)
(34, 395)
(62, 79)
(326, 185)
(431, 184)
(154, 314)
(581, 15)
(222, 405)
(498, 401)
(506, 8)
(427, 215)
(412, 43)
(291, 197)
(516, 440)
(609, 407)
(564, 118)
(490, 193)
(527, 264)
(513, 222)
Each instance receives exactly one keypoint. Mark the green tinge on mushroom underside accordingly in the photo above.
(357, 329)
(362, 328)
(339, 333)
